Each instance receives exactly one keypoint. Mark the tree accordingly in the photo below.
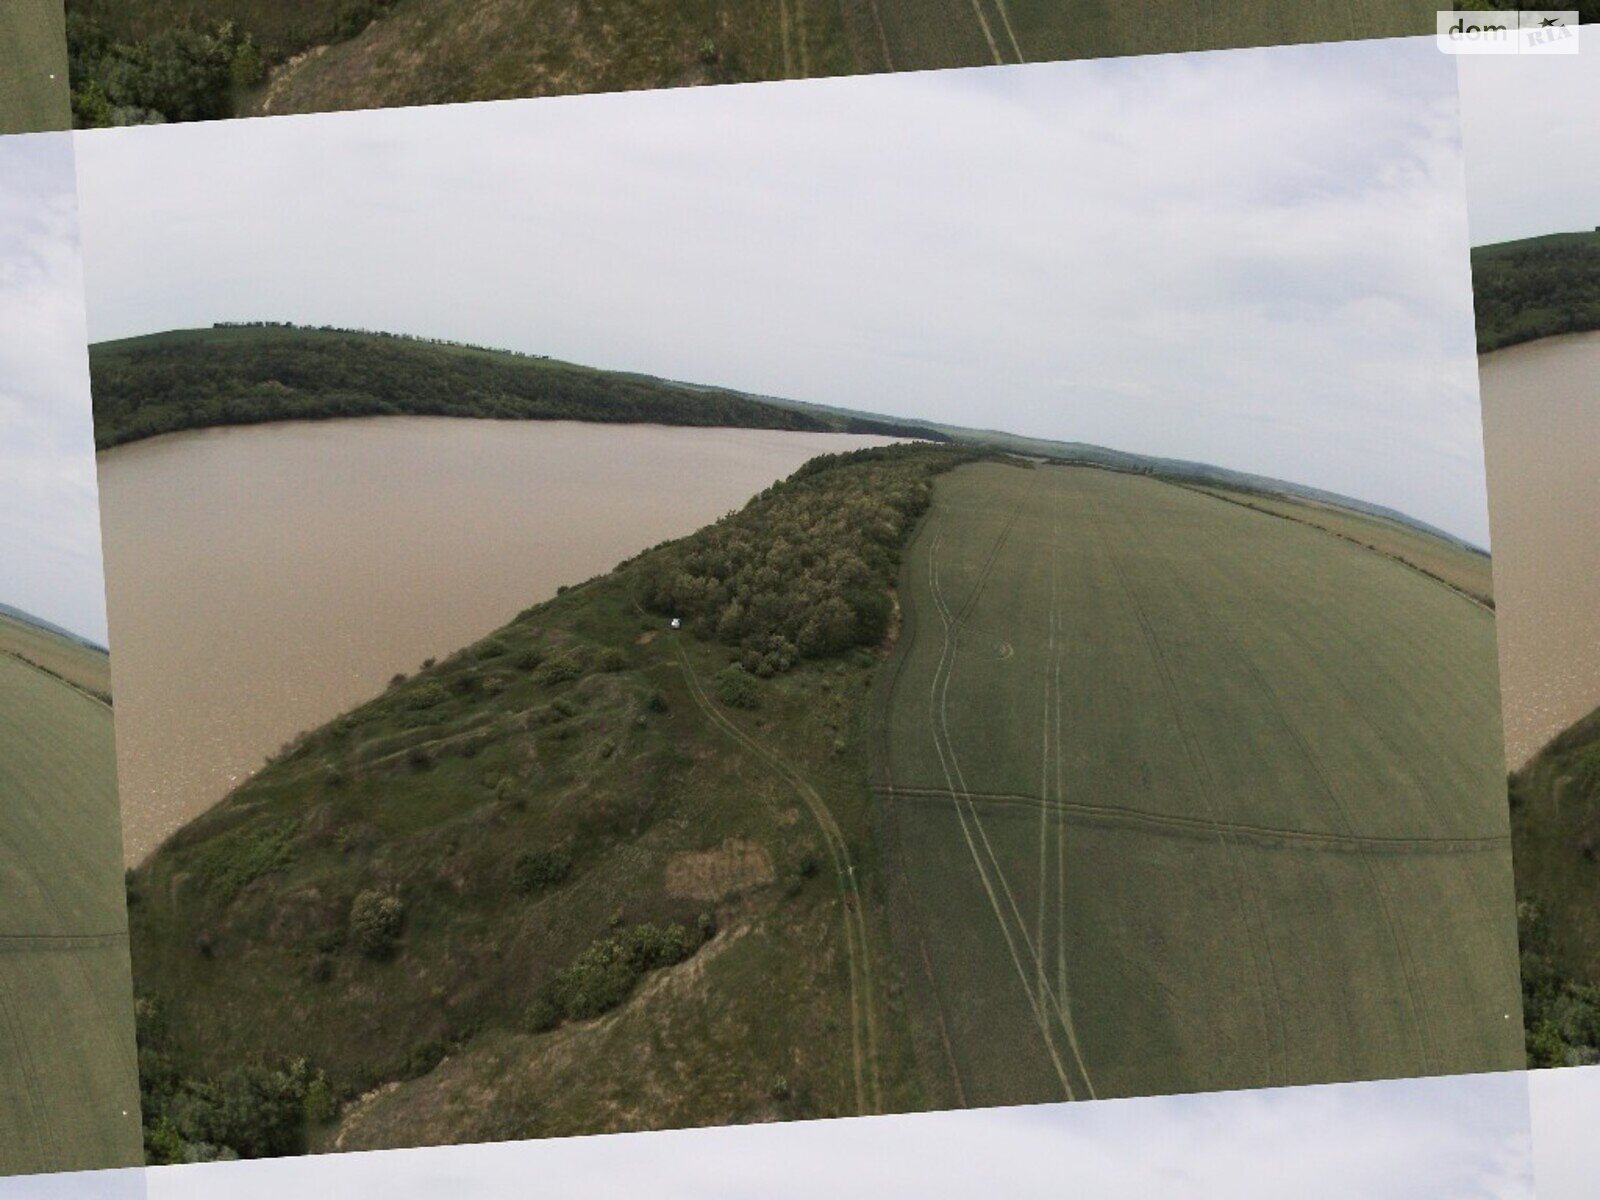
(375, 920)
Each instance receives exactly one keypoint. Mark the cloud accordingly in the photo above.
(1462, 1138)
(49, 515)
(1254, 258)
(76, 1185)
(1564, 1103)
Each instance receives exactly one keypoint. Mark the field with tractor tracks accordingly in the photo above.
(1176, 795)
(68, 1084)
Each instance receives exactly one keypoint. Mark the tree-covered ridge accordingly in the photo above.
(1535, 288)
(1555, 830)
(249, 374)
(804, 569)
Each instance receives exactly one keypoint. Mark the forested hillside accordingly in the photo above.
(1535, 288)
(242, 375)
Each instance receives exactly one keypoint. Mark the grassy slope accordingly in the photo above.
(1555, 829)
(482, 49)
(68, 1095)
(188, 379)
(1536, 287)
(1198, 664)
(671, 808)
(33, 47)
(84, 667)
(428, 51)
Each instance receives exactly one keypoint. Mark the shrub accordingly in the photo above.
(541, 869)
(611, 658)
(736, 688)
(375, 920)
(236, 859)
(562, 669)
(544, 1013)
(321, 1105)
(605, 974)
(423, 1057)
(427, 695)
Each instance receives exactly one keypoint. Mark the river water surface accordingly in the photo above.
(1541, 429)
(263, 579)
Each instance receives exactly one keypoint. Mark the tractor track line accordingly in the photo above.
(1292, 838)
(1052, 717)
(950, 762)
(977, 859)
(864, 1050)
(954, 627)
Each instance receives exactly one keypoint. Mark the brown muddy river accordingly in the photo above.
(263, 579)
(1541, 427)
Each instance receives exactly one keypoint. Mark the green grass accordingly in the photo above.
(1555, 830)
(432, 51)
(1181, 796)
(33, 80)
(1536, 287)
(68, 1083)
(535, 802)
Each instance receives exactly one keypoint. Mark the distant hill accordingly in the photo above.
(249, 374)
(1536, 287)
(1171, 468)
(27, 618)
(255, 373)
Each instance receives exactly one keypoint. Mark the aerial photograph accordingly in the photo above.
(735, 605)
(1457, 1138)
(68, 1080)
(140, 61)
(1532, 184)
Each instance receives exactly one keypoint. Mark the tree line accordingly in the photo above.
(1536, 288)
(805, 569)
(244, 375)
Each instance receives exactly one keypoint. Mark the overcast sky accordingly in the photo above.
(1532, 141)
(49, 513)
(1464, 1138)
(1253, 258)
(1564, 1104)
